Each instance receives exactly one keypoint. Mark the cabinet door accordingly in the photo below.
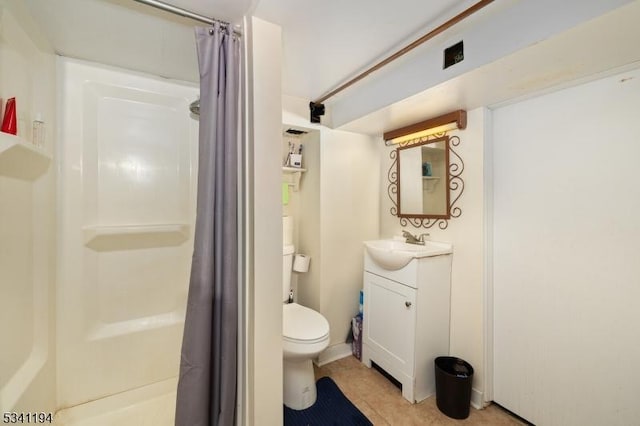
(389, 320)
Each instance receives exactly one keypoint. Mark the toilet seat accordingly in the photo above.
(303, 325)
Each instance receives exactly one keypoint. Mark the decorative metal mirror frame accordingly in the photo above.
(455, 184)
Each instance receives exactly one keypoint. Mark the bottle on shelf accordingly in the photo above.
(9, 122)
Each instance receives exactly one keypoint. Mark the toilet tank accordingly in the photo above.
(287, 262)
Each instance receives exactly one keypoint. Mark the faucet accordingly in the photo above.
(412, 239)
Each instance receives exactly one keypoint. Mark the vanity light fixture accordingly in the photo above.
(450, 121)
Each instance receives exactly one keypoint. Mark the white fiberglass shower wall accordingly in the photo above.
(127, 191)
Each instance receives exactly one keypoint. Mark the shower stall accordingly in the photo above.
(97, 223)
(128, 154)
(96, 226)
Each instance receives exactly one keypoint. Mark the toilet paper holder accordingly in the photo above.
(301, 263)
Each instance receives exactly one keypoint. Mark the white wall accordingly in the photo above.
(349, 216)
(566, 232)
(27, 223)
(264, 310)
(344, 213)
(466, 235)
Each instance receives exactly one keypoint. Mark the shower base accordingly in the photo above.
(152, 405)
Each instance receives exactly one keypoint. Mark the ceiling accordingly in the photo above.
(576, 56)
(131, 35)
(226, 10)
(324, 43)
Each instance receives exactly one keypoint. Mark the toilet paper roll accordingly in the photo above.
(301, 263)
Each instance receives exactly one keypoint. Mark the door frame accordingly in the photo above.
(487, 279)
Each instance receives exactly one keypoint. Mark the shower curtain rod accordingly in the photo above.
(186, 13)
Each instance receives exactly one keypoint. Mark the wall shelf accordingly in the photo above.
(126, 237)
(20, 159)
(291, 176)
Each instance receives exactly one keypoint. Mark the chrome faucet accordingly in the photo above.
(412, 239)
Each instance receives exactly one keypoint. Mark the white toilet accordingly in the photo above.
(305, 334)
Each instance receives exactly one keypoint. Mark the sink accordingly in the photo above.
(395, 254)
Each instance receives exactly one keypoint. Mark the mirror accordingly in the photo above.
(423, 179)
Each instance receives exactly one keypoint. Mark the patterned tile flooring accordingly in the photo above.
(383, 403)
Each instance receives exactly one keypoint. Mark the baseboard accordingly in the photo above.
(333, 353)
(476, 399)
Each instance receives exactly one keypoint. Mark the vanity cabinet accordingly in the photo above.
(406, 321)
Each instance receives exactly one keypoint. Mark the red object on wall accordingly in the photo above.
(9, 123)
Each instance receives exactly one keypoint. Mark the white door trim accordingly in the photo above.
(487, 279)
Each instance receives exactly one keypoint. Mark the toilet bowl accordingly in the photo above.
(305, 334)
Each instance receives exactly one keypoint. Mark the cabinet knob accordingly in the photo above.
(407, 304)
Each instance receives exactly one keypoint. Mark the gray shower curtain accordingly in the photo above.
(208, 374)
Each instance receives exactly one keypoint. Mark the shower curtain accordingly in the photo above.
(208, 373)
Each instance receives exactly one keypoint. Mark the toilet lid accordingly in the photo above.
(301, 323)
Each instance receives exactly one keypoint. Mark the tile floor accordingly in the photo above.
(383, 403)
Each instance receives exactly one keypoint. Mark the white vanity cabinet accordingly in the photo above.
(406, 320)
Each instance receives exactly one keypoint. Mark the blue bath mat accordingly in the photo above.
(332, 408)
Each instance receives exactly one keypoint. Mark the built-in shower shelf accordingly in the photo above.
(291, 176)
(118, 237)
(20, 159)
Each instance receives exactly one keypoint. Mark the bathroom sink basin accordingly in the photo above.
(395, 254)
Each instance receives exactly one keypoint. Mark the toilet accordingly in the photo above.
(305, 334)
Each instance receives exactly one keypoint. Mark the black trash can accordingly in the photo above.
(453, 386)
